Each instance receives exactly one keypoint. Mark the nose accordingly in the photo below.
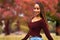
(35, 10)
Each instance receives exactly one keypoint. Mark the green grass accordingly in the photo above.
(19, 37)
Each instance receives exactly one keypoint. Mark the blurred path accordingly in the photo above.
(14, 36)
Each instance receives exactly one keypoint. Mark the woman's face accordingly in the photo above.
(36, 9)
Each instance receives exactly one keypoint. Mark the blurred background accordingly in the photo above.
(15, 15)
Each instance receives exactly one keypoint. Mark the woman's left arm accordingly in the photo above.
(46, 31)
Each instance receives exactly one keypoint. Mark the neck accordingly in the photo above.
(38, 16)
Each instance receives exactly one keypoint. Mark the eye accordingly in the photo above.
(34, 8)
(37, 8)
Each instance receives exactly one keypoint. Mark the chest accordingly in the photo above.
(36, 25)
(36, 19)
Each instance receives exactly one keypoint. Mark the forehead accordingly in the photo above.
(36, 5)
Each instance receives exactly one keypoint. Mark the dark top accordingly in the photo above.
(35, 28)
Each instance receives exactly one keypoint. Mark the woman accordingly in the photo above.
(37, 23)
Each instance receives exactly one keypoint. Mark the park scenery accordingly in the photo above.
(16, 14)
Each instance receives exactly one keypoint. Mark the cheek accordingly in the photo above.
(38, 10)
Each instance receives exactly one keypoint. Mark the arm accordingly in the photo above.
(46, 31)
(27, 36)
